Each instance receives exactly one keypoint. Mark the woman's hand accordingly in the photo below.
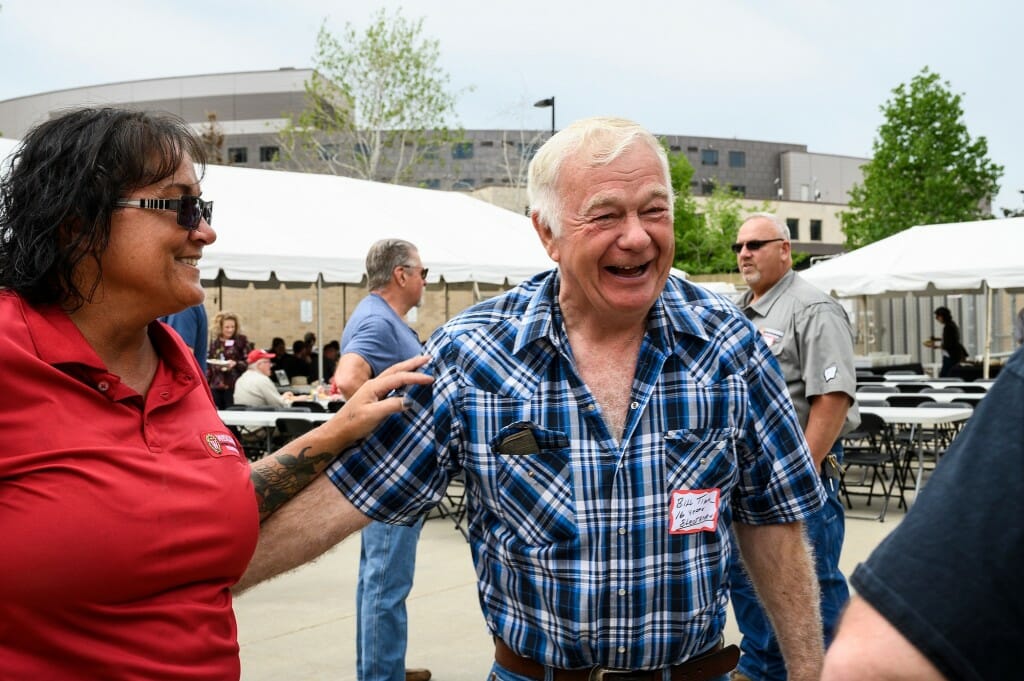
(280, 476)
(371, 404)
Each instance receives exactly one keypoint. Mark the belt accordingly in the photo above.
(721, 659)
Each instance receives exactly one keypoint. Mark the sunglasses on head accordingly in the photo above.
(191, 209)
(753, 244)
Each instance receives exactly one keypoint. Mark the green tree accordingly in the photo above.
(704, 234)
(377, 104)
(925, 169)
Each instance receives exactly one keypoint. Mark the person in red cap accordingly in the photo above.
(254, 388)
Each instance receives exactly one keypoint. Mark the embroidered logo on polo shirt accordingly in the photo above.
(221, 444)
(771, 336)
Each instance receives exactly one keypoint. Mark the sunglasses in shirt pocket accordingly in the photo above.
(534, 478)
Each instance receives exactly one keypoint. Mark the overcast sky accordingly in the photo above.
(802, 71)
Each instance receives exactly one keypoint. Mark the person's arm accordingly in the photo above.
(781, 568)
(302, 530)
(280, 476)
(825, 422)
(351, 373)
(825, 341)
(867, 646)
(269, 394)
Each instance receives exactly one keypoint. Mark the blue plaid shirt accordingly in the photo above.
(569, 528)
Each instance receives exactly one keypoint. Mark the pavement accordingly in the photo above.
(301, 625)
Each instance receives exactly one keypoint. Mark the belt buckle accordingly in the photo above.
(608, 674)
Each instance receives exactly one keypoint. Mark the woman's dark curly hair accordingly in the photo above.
(57, 199)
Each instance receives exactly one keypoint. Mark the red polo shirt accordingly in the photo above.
(124, 519)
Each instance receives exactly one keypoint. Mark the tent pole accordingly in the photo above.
(864, 326)
(319, 328)
(988, 330)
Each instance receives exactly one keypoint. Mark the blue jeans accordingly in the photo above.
(760, 658)
(387, 561)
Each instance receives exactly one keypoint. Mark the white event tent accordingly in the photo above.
(304, 227)
(962, 257)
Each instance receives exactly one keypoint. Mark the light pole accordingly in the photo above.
(545, 103)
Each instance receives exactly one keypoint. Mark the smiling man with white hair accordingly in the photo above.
(612, 423)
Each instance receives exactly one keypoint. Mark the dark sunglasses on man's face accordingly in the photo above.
(752, 245)
(191, 209)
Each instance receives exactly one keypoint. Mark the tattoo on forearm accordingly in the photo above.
(284, 475)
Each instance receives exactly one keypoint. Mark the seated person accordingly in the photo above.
(255, 389)
(332, 351)
(297, 364)
(280, 351)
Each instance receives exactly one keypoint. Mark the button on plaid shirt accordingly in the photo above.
(569, 528)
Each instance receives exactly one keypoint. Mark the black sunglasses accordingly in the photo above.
(752, 245)
(423, 270)
(191, 209)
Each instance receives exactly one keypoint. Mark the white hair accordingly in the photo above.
(600, 140)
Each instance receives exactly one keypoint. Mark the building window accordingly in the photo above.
(794, 228)
(674, 147)
(361, 149)
(269, 154)
(487, 143)
(692, 150)
(328, 152)
(815, 230)
(737, 159)
(464, 183)
(488, 180)
(707, 186)
(238, 154)
(738, 189)
(462, 150)
(432, 184)
(430, 151)
(709, 157)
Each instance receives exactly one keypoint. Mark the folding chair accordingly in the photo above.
(924, 445)
(290, 428)
(905, 400)
(870, 448)
(874, 388)
(255, 441)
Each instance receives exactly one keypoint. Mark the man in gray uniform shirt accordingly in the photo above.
(810, 336)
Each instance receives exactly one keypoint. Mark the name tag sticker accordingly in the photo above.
(694, 510)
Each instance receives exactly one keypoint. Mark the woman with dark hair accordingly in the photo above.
(227, 357)
(952, 351)
(127, 508)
